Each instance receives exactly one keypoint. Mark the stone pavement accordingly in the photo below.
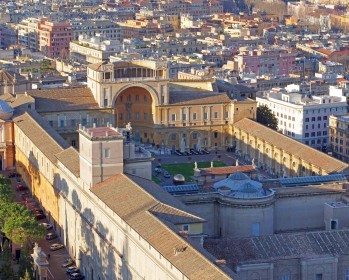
(55, 270)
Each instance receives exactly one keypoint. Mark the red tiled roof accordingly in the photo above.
(226, 170)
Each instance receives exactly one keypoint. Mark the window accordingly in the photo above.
(318, 276)
(205, 116)
(194, 116)
(145, 116)
(173, 137)
(61, 123)
(73, 123)
(255, 229)
(120, 116)
(173, 117)
(73, 143)
(285, 277)
(306, 119)
(216, 115)
(50, 123)
(306, 135)
(184, 117)
(137, 98)
(128, 98)
(185, 227)
(334, 224)
(347, 274)
(145, 98)
(215, 134)
(195, 135)
(137, 116)
(107, 153)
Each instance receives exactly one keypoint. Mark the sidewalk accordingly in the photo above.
(55, 270)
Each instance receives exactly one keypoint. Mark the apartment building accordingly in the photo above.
(106, 28)
(272, 60)
(302, 117)
(28, 33)
(339, 137)
(54, 38)
(93, 50)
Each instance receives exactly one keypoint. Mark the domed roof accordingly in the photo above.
(6, 111)
(248, 188)
(238, 176)
(178, 177)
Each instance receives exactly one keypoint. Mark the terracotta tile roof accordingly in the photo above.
(308, 154)
(95, 66)
(198, 98)
(46, 139)
(279, 246)
(70, 159)
(226, 170)
(134, 206)
(174, 215)
(68, 99)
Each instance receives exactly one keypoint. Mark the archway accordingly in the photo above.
(136, 105)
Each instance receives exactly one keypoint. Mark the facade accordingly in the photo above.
(54, 38)
(267, 61)
(338, 137)
(164, 111)
(302, 118)
(281, 155)
(11, 82)
(94, 49)
(28, 33)
(106, 28)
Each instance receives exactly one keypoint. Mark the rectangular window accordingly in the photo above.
(137, 116)
(184, 117)
(195, 135)
(194, 116)
(145, 116)
(347, 274)
(120, 116)
(185, 227)
(285, 277)
(73, 123)
(216, 115)
(318, 276)
(173, 117)
(205, 116)
(61, 124)
(73, 143)
(50, 123)
(107, 153)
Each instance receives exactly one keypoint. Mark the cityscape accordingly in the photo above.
(182, 139)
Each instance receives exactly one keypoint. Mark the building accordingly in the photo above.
(273, 60)
(11, 82)
(54, 38)
(338, 137)
(96, 49)
(163, 111)
(304, 118)
(106, 28)
(28, 33)
(145, 234)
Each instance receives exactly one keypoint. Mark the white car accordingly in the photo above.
(46, 225)
(56, 246)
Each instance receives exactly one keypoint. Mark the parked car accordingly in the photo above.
(56, 246)
(76, 276)
(167, 175)
(68, 262)
(51, 235)
(72, 269)
(39, 216)
(21, 187)
(46, 225)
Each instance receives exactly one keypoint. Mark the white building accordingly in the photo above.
(302, 117)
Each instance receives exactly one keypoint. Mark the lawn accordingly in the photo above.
(187, 169)
(156, 179)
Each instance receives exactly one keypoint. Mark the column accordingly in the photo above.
(223, 115)
(188, 114)
(181, 114)
(166, 115)
(202, 114)
(3, 133)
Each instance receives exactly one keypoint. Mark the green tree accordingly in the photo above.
(6, 270)
(6, 192)
(25, 270)
(266, 117)
(19, 225)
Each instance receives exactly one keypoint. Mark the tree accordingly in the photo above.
(25, 270)
(6, 193)
(19, 225)
(26, 276)
(6, 270)
(266, 117)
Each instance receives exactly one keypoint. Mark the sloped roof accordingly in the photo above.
(66, 99)
(134, 205)
(226, 170)
(197, 98)
(313, 156)
(70, 159)
(279, 246)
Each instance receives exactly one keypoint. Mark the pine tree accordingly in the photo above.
(6, 270)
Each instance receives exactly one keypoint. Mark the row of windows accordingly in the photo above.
(136, 117)
(319, 118)
(318, 141)
(194, 116)
(318, 126)
(313, 134)
(194, 136)
(74, 123)
(129, 99)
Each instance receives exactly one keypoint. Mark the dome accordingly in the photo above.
(238, 176)
(178, 177)
(6, 111)
(248, 188)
